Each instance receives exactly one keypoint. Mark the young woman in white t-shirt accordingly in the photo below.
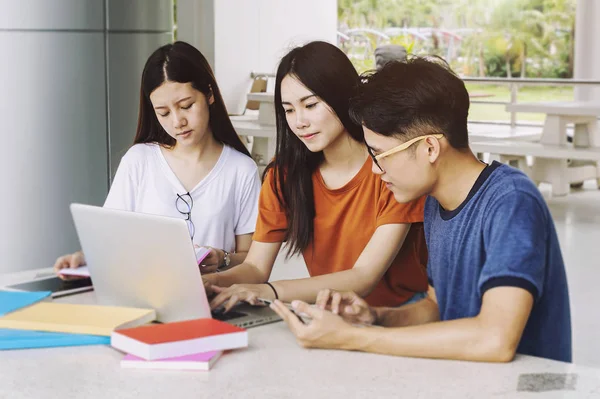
(187, 160)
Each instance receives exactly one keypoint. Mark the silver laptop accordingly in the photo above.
(148, 261)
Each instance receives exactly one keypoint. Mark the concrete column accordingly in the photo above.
(587, 48)
(53, 102)
(70, 73)
(134, 29)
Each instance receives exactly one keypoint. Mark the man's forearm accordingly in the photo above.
(424, 311)
(462, 339)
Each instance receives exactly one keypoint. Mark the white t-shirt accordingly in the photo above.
(225, 201)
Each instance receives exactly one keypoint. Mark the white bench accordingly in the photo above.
(549, 161)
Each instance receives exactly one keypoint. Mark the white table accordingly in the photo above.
(584, 115)
(274, 366)
(479, 132)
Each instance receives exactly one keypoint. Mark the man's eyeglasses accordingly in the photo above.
(401, 147)
(184, 204)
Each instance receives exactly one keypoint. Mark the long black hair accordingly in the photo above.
(183, 63)
(328, 73)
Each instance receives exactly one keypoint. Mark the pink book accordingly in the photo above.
(197, 361)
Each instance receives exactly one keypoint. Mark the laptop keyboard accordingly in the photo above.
(219, 315)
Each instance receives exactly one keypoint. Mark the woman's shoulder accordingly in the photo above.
(137, 157)
(139, 153)
(239, 162)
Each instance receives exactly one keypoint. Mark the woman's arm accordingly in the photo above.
(247, 281)
(124, 187)
(255, 269)
(217, 256)
(367, 271)
(242, 246)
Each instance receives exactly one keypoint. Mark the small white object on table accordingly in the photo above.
(274, 366)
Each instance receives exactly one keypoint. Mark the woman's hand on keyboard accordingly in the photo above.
(230, 296)
(209, 281)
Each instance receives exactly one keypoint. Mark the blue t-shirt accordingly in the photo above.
(501, 235)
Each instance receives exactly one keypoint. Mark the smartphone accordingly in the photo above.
(303, 317)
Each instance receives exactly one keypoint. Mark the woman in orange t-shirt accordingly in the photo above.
(320, 197)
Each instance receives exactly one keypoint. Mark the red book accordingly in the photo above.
(161, 341)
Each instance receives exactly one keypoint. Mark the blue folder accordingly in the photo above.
(13, 300)
(24, 339)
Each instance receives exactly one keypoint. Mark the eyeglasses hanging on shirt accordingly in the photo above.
(184, 204)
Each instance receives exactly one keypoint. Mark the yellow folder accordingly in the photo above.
(79, 319)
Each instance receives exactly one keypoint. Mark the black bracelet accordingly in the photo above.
(273, 288)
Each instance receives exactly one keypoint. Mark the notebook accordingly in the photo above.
(79, 319)
(25, 339)
(82, 271)
(161, 341)
(14, 300)
(201, 254)
(198, 361)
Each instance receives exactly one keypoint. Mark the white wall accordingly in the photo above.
(587, 48)
(252, 35)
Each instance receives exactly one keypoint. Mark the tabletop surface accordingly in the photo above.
(274, 366)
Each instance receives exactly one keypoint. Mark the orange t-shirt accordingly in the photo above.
(345, 220)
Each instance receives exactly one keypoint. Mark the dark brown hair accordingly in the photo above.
(182, 63)
(326, 71)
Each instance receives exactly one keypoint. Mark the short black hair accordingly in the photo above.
(412, 98)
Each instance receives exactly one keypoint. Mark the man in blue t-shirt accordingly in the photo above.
(497, 278)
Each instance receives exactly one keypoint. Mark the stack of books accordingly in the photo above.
(185, 345)
(30, 320)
